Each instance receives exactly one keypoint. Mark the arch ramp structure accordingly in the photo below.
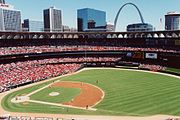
(85, 35)
(117, 16)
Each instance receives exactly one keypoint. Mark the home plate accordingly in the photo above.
(20, 99)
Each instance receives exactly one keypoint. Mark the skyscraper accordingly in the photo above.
(52, 20)
(2, 1)
(10, 19)
(172, 21)
(33, 26)
(90, 19)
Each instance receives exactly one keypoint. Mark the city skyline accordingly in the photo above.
(152, 11)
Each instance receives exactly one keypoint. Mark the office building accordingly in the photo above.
(172, 21)
(2, 2)
(68, 29)
(10, 19)
(139, 27)
(90, 19)
(33, 26)
(109, 27)
(52, 20)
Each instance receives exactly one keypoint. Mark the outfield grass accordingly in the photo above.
(126, 93)
(174, 70)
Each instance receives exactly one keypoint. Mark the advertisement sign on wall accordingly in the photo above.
(138, 55)
(151, 55)
(177, 42)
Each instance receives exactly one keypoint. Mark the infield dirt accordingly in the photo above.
(89, 95)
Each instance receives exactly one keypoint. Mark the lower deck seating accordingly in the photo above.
(14, 74)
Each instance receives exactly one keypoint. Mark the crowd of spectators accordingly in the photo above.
(46, 48)
(8, 117)
(173, 119)
(19, 73)
(152, 67)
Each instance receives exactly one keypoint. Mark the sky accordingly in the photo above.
(152, 10)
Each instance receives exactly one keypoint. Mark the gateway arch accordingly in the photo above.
(132, 4)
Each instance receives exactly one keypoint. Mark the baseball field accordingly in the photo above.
(100, 92)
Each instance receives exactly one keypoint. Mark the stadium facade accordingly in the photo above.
(10, 19)
(172, 21)
(52, 20)
(91, 19)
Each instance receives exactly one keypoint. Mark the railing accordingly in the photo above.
(85, 35)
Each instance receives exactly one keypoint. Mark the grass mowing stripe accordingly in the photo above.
(140, 96)
(142, 99)
(173, 70)
(141, 105)
(161, 109)
(126, 93)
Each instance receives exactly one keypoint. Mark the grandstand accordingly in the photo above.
(53, 57)
(21, 73)
(25, 61)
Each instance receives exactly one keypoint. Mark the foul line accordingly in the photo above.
(60, 105)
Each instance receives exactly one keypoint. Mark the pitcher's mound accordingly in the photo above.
(54, 94)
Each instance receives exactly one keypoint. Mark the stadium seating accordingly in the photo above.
(46, 48)
(35, 118)
(152, 67)
(14, 74)
(18, 73)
